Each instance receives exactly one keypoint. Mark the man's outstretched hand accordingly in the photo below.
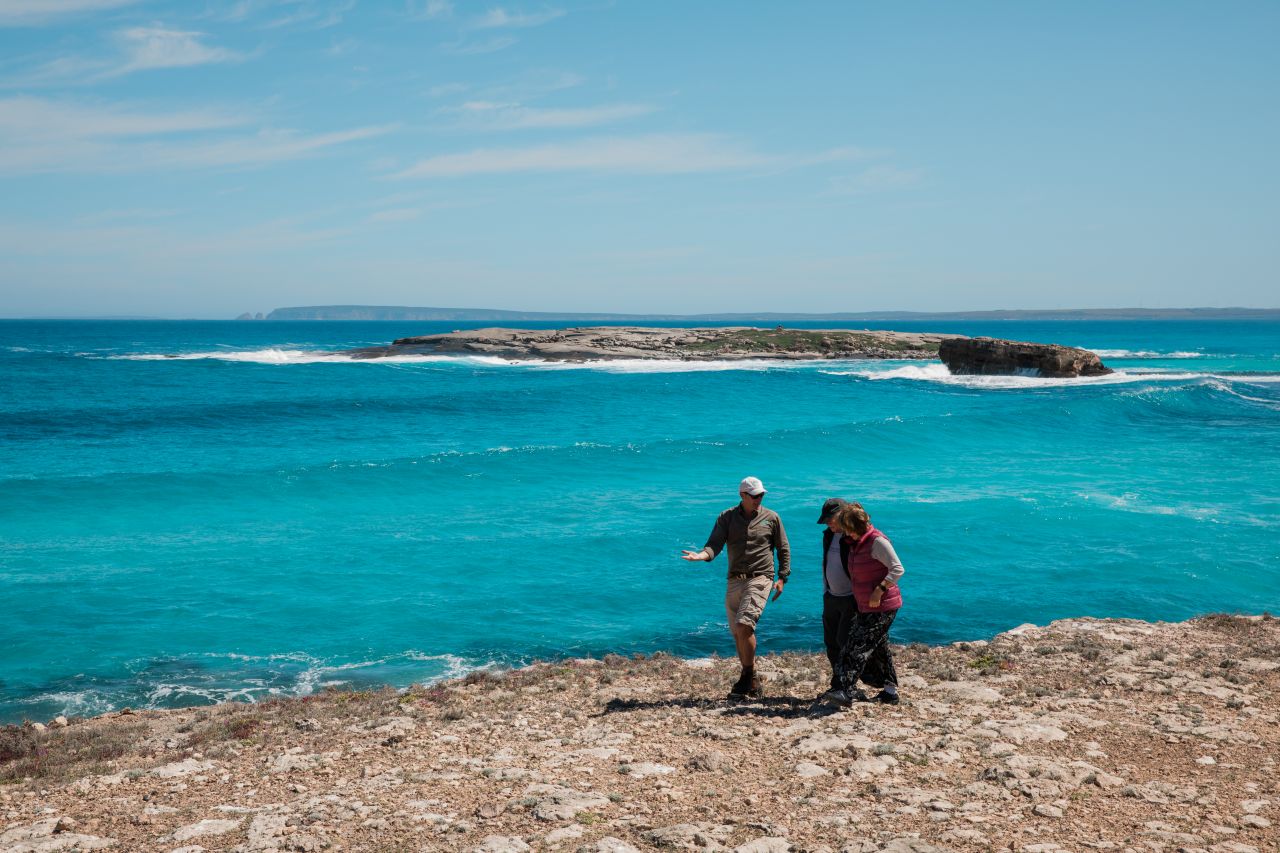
(699, 556)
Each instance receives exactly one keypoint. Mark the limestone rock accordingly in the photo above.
(186, 767)
(502, 844)
(766, 844)
(556, 802)
(689, 836)
(970, 691)
(809, 770)
(296, 759)
(994, 356)
(913, 845)
(45, 836)
(608, 844)
(646, 768)
(266, 832)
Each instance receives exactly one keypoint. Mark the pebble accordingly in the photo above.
(1045, 810)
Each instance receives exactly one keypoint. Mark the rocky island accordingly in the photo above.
(1082, 735)
(600, 343)
(701, 344)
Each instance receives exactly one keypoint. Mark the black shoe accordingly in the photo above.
(885, 698)
(742, 687)
(844, 698)
(756, 690)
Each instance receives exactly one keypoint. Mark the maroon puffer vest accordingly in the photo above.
(865, 571)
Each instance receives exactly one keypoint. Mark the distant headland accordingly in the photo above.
(403, 313)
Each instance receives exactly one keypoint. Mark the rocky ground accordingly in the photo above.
(630, 342)
(1082, 735)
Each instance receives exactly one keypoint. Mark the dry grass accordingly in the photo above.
(61, 754)
(1236, 624)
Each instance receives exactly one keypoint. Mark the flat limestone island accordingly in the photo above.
(1081, 735)
(630, 342)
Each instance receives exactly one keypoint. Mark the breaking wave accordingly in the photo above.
(1128, 353)
(938, 373)
(214, 677)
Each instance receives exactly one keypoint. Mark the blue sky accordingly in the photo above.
(200, 159)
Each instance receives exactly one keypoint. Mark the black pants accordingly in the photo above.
(866, 652)
(838, 612)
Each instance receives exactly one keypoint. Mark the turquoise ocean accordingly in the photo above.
(202, 511)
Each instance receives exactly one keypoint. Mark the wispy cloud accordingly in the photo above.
(444, 89)
(313, 14)
(429, 10)
(31, 13)
(488, 115)
(265, 147)
(42, 136)
(397, 214)
(651, 154)
(146, 48)
(880, 178)
(129, 214)
(41, 119)
(274, 14)
(466, 47)
(522, 88)
(138, 49)
(503, 19)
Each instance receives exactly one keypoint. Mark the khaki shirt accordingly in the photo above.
(752, 542)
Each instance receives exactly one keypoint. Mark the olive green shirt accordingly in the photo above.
(752, 542)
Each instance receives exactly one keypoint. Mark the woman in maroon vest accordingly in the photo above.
(874, 569)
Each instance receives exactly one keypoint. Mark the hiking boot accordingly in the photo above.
(742, 687)
(756, 690)
(844, 698)
(886, 698)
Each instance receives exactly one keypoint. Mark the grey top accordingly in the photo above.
(752, 542)
(837, 575)
(882, 550)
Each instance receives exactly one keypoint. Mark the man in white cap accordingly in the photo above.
(753, 535)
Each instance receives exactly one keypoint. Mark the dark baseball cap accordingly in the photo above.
(830, 508)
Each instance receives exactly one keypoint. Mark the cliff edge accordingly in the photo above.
(1081, 735)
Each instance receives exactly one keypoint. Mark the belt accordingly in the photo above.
(740, 575)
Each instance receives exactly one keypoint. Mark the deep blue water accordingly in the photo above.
(253, 517)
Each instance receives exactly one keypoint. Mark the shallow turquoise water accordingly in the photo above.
(255, 517)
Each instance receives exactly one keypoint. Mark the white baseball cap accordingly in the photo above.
(752, 486)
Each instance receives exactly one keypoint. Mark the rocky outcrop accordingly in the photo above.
(993, 356)
(1082, 735)
(636, 342)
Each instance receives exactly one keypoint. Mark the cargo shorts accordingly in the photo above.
(745, 599)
